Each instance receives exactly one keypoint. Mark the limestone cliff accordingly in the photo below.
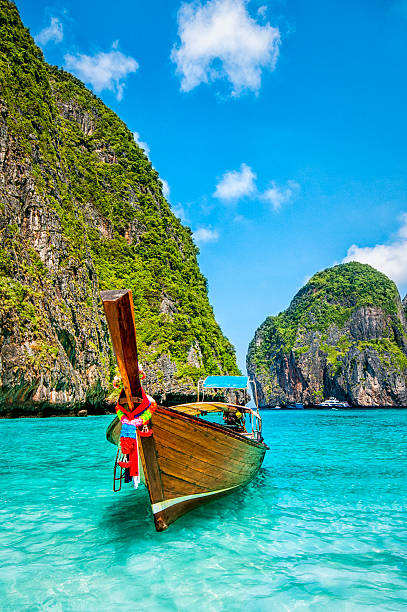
(81, 210)
(344, 334)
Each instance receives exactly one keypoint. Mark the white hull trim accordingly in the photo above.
(167, 503)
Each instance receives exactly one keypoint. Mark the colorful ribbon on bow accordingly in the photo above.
(141, 414)
(131, 420)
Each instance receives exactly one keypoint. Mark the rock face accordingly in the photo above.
(82, 210)
(343, 335)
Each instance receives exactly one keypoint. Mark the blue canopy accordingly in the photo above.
(225, 382)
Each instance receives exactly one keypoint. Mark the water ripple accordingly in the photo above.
(322, 526)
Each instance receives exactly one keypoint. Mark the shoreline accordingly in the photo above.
(350, 408)
(30, 411)
(108, 409)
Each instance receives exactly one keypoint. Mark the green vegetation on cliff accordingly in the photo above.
(328, 298)
(81, 161)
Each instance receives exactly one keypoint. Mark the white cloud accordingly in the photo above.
(205, 234)
(389, 258)
(166, 189)
(236, 184)
(140, 143)
(103, 70)
(220, 40)
(54, 32)
(280, 195)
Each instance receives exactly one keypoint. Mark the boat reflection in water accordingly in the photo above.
(183, 458)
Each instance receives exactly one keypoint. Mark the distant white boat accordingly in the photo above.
(332, 402)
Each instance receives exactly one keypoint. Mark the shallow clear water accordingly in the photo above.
(323, 526)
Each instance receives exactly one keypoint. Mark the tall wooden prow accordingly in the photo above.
(119, 311)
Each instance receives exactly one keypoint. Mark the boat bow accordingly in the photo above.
(187, 460)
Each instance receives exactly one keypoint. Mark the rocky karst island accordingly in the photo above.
(343, 335)
(82, 210)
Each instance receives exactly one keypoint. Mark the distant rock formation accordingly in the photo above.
(343, 335)
(82, 210)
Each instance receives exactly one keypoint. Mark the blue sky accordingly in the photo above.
(280, 128)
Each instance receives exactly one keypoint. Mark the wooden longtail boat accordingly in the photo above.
(187, 460)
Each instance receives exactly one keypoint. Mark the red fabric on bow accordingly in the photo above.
(129, 447)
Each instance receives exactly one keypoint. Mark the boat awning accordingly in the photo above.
(225, 382)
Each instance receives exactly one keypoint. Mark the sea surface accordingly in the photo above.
(322, 527)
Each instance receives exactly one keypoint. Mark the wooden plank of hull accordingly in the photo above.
(203, 459)
(170, 515)
(198, 462)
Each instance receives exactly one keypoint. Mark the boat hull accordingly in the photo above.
(188, 462)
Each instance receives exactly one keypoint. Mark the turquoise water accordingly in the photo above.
(323, 526)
